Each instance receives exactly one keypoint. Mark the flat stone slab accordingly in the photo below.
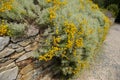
(6, 52)
(6, 67)
(10, 74)
(25, 56)
(32, 31)
(3, 42)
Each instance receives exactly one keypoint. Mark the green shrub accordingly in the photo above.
(16, 30)
(114, 9)
(74, 30)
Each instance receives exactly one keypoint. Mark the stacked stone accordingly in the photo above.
(17, 62)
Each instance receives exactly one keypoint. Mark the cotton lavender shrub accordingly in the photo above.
(73, 32)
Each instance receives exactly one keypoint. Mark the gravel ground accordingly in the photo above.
(107, 64)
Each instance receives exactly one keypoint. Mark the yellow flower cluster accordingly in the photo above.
(6, 5)
(56, 6)
(69, 44)
(56, 2)
(106, 19)
(57, 31)
(3, 29)
(56, 40)
(70, 29)
(48, 1)
(49, 55)
(74, 52)
(78, 68)
(81, 65)
(79, 42)
(94, 7)
(52, 12)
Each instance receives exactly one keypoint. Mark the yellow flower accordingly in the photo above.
(56, 5)
(48, 1)
(106, 19)
(3, 29)
(69, 44)
(56, 40)
(6, 5)
(79, 42)
(52, 14)
(74, 52)
(94, 7)
(49, 55)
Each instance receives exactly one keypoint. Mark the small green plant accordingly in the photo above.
(16, 30)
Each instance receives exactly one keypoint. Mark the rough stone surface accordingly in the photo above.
(22, 64)
(17, 55)
(2, 60)
(32, 31)
(28, 76)
(9, 66)
(25, 43)
(25, 56)
(10, 74)
(20, 49)
(107, 65)
(47, 77)
(37, 38)
(19, 77)
(14, 46)
(31, 47)
(6, 63)
(6, 52)
(15, 40)
(3, 42)
(27, 69)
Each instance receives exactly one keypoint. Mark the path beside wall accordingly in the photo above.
(107, 65)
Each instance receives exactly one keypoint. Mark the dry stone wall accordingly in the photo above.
(17, 62)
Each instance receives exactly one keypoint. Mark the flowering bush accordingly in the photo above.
(73, 30)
